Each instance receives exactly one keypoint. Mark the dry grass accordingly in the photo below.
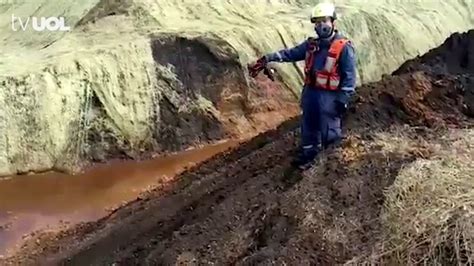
(428, 215)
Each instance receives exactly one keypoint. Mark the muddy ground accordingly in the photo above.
(244, 207)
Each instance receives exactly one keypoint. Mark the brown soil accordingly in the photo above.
(244, 207)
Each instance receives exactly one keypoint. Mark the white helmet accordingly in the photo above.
(324, 9)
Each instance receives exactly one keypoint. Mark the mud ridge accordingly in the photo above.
(454, 56)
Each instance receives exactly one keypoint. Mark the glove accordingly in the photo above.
(341, 103)
(258, 66)
(269, 73)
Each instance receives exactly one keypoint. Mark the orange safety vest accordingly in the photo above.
(328, 78)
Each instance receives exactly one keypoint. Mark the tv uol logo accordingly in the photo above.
(41, 23)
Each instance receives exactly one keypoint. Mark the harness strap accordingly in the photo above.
(309, 59)
(335, 52)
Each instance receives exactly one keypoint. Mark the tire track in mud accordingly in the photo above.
(186, 229)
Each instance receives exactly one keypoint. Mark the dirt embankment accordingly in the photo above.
(203, 97)
(454, 57)
(243, 207)
(433, 90)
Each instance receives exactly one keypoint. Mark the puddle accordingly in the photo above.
(37, 202)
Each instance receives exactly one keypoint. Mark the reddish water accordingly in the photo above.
(38, 202)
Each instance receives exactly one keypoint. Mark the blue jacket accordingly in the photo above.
(347, 61)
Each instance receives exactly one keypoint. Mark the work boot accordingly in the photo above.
(304, 158)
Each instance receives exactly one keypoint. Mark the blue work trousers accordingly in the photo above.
(320, 124)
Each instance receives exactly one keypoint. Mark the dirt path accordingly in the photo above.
(243, 208)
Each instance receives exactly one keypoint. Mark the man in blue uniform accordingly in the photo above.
(330, 80)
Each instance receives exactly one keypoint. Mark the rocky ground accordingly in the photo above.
(244, 207)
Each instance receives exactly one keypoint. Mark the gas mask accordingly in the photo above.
(323, 30)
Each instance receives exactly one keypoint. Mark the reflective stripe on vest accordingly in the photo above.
(328, 78)
(321, 79)
(328, 82)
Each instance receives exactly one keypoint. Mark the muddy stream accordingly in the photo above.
(49, 201)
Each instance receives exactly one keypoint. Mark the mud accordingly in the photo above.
(454, 57)
(245, 207)
(417, 99)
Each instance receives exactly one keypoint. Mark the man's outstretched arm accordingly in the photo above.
(293, 54)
